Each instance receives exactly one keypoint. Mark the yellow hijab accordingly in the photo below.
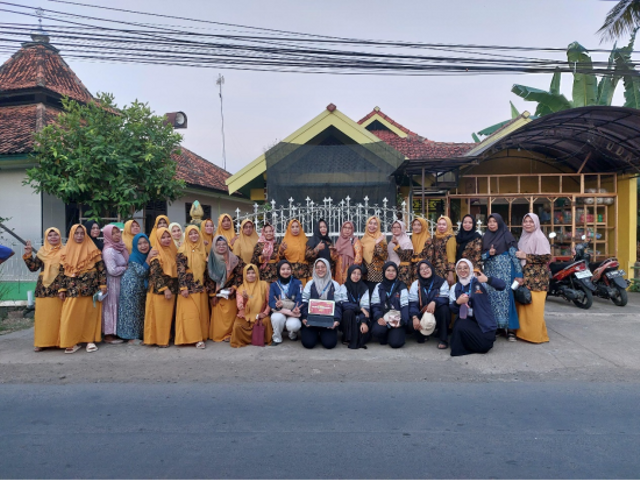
(154, 231)
(257, 292)
(369, 240)
(195, 253)
(166, 255)
(79, 258)
(419, 239)
(227, 233)
(449, 228)
(207, 237)
(296, 244)
(127, 235)
(244, 245)
(50, 256)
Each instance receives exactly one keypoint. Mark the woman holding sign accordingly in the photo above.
(321, 310)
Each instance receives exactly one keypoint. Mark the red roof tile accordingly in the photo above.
(414, 147)
(40, 65)
(199, 172)
(387, 118)
(18, 125)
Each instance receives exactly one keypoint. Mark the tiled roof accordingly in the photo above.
(18, 125)
(197, 171)
(377, 111)
(40, 65)
(416, 147)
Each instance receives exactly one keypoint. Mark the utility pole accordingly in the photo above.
(220, 82)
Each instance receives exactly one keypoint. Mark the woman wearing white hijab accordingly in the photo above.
(322, 286)
(475, 328)
(534, 253)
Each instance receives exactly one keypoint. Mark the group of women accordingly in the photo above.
(211, 283)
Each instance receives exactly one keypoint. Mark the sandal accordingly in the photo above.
(71, 350)
(443, 345)
(200, 345)
(91, 347)
(38, 349)
(511, 337)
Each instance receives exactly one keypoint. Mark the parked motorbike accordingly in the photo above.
(609, 281)
(572, 280)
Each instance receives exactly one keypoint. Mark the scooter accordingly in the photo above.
(572, 280)
(609, 281)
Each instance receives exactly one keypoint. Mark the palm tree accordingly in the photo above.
(622, 19)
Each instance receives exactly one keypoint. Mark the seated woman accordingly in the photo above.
(356, 308)
(192, 309)
(285, 300)
(252, 299)
(390, 306)
(430, 293)
(321, 286)
(475, 328)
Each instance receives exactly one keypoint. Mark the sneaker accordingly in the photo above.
(275, 343)
(293, 336)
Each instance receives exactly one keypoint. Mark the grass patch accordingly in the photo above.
(9, 325)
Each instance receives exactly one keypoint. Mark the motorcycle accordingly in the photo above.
(609, 281)
(572, 280)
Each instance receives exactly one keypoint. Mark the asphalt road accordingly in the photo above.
(321, 430)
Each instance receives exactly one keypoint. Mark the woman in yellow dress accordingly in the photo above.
(48, 305)
(422, 245)
(226, 229)
(348, 252)
(374, 252)
(444, 250)
(294, 249)
(83, 275)
(163, 288)
(207, 230)
(131, 229)
(192, 311)
(265, 254)
(252, 299)
(225, 269)
(161, 221)
(176, 234)
(247, 239)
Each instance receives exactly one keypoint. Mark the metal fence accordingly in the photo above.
(14, 269)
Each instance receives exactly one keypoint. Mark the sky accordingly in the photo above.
(261, 108)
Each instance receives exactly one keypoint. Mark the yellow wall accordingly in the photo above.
(627, 222)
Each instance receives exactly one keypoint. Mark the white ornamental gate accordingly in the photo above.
(335, 214)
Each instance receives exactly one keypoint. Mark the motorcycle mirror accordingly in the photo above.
(552, 235)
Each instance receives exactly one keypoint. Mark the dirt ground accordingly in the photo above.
(602, 344)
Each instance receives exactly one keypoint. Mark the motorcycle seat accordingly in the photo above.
(556, 267)
(593, 266)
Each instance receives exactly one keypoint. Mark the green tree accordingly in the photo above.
(622, 19)
(108, 158)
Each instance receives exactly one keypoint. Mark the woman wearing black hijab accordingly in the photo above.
(429, 293)
(285, 300)
(390, 298)
(356, 309)
(93, 229)
(469, 241)
(320, 242)
(499, 260)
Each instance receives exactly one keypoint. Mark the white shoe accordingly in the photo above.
(277, 339)
(293, 336)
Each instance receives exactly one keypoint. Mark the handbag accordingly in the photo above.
(522, 295)
(287, 304)
(393, 318)
(257, 335)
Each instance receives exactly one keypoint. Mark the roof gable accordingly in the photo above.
(376, 116)
(39, 64)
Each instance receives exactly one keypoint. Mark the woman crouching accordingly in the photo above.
(356, 308)
(475, 328)
(390, 306)
(252, 299)
(322, 286)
